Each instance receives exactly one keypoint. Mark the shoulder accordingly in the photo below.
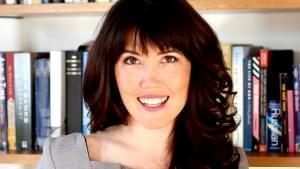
(67, 141)
(104, 145)
(65, 152)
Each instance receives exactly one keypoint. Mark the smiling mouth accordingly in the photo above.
(153, 101)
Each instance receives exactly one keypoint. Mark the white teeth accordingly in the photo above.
(152, 102)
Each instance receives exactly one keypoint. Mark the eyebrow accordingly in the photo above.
(163, 52)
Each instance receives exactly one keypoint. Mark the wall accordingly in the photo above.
(43, 33)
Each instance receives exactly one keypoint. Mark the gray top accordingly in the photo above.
(70, 152)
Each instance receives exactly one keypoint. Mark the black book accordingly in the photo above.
(279, 61)
(73, 92)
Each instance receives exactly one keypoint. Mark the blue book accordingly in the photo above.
(248, 98)
(248, 104)
(85, 112)
(296, 71)
(42, 100)
(3, 109)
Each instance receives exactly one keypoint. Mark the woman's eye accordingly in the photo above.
(169, 59)
(131, 60)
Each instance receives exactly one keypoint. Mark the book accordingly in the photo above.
(57, 93)
(255, 101)
(3, 110)
(263, 109)
(11, 1)
(283, 80)
(83, 50)
(73, 92)
(10, 102)
(288, 112)
(291, 121)
(279, 61)
(239, 53)
(248, 97)
(27, 2)
(24, 98)
(42, 99)
(296, 78)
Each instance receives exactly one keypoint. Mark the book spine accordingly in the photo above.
(3, 110)
(11, 1)
(238, 55)
(283, 79)
(27, 2)
(10, 101)
(73, 92)
(256, 101)
(85, 111)
(296, 71)
(291, 121)
(274, 127)
(23, 100)
(42, 101)
(264, 57)
(57, 93)
(248, 104)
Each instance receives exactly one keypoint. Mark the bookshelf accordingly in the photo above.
(255, 159)
(211, 6)
(94, 8)
(15, 158)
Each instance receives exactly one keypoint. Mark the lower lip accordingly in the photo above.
(154, 109)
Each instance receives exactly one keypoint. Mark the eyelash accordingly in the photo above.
(128, 60)
(131, 60)
(169, 59)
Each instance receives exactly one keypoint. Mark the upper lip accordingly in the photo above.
(153, 99)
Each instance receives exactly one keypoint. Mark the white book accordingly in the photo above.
(102, 0)
(10, 1)
(57, 93)
(239, 52)
(23, 78)
(68, 1)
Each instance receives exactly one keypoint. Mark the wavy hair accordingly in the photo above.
(201, 134)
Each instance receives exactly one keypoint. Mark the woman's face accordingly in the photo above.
(153, 87)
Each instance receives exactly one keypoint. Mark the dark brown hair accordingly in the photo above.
(201, 135)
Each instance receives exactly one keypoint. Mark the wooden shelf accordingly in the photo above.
(15, 158)
(54, 9)
(273, 160)
(96, 8)
(255, 160)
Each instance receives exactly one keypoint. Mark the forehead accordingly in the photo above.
(134, 42)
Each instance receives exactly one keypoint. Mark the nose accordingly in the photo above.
(150, 77)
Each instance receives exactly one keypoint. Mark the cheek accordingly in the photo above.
(177, 78)
(126, 80)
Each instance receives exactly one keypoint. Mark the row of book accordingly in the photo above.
(29, 2)
(40, 96)
(267, 99)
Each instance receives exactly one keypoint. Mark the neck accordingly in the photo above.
(149, 139)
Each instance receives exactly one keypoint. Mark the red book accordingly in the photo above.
(10, 101)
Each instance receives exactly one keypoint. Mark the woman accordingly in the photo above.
(158, 93)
